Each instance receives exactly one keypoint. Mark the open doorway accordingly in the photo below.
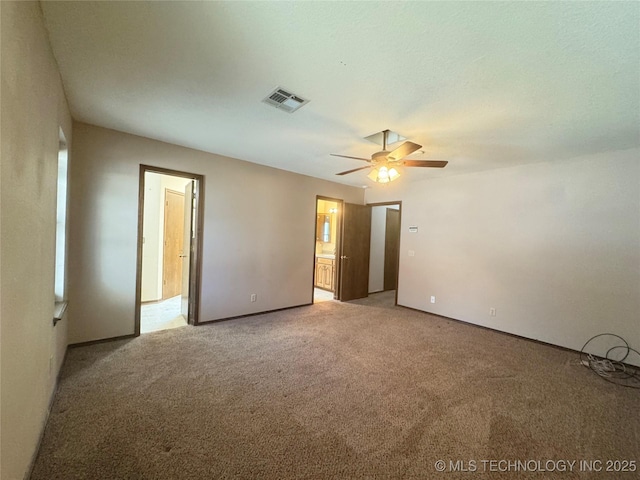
(355, 253)
(169, 218)
(385, 250)
(327, 244)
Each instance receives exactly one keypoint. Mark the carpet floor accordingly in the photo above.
(335, 390)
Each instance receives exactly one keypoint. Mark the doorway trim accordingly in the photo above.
(336, 275)
(195, 270)
(399, 203)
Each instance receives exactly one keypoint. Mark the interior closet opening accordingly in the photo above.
(385, 250)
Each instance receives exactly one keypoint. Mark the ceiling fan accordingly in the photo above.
(385, 164)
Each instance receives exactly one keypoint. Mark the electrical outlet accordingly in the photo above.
(492, 312)
(254, 297)
(433, 299)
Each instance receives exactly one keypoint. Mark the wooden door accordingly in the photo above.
(173, 239)
(391, 249)
(187, 248)
(354, 252)
(331, 274)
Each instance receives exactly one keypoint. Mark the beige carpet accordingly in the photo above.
(355, 390)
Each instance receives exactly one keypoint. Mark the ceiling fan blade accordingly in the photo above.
(425, 163)
(354, 170)
(347, 156)
(407, 148)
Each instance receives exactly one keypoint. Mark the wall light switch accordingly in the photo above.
(433, 299)
(412, 253)
(254, 297)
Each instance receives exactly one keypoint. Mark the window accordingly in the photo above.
(61, 228)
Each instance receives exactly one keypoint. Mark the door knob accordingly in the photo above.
(344, 257)
(183, 256)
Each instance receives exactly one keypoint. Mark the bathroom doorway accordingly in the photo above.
(327, 246)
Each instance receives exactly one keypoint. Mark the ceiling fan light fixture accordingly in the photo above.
(384, 174)
(393, 174)
(373, 175)
(384, 163)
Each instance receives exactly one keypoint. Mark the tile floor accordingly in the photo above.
(161, 315)
(320, 295)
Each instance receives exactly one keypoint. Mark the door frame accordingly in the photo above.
(399, 203)
(195, 267)
(336, 276)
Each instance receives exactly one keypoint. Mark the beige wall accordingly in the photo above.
(258, 235)
(151, 287)
(33, 109)
(554, 247)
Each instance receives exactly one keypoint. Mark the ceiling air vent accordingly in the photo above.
(284, 100)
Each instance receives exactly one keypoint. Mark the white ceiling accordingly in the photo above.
(483, 85)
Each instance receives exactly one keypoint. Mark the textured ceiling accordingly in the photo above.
(483, 85)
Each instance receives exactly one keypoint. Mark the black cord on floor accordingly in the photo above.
(613, 370)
